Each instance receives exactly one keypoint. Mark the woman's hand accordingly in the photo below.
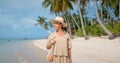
(70, 60)
(53, 42)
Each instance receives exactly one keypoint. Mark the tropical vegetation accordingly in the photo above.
(92, 17)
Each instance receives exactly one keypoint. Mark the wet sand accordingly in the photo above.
(28, 53)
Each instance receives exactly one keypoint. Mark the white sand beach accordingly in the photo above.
(94, 50)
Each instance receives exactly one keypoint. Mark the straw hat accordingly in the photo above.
(59, 19)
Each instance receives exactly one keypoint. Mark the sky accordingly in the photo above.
(18, 19)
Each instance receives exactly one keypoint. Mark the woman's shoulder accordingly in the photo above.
(52, 34)
(67, 35)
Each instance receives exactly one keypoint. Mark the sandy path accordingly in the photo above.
(94, 50)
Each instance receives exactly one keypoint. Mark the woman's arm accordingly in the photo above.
(49, 46)
(69, 54)
(51, 40)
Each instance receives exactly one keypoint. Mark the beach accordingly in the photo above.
(94, 50)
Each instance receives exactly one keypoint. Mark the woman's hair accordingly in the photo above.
(64, 28)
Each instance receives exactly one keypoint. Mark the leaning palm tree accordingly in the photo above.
(72, 24)
(75, 21)
(83, 28)
(111, 36)
(67, 20)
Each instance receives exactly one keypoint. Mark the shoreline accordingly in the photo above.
(28, 53)
(94, 50)
(37, 43)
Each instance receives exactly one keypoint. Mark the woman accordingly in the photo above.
(59, 42)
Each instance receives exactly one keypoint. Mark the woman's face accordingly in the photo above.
(57, 25)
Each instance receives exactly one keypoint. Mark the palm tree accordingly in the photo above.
(74, 1)
(113, 6)
(67, 20)
(75, 21)
(48, 3)
(116, 6)
(42, 22)
(111, 36)
(83, 28)
(58, 6)
(117, 11)
(85, 3)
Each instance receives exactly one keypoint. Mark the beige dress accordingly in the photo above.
(60, 49)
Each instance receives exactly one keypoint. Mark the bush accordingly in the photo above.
(79, 33)
(97, 30)
(116, 29)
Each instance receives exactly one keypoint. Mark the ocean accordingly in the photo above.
(20, 51)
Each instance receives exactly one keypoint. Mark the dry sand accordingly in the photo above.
(94, 50)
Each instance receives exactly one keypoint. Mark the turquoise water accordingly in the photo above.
(18, 51)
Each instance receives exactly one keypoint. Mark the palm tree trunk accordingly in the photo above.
(107, 18)
(85, 22)
(73, 24)
(119, 11)
(111, 36)
(101, 10)
(68, 23)
(83, 28)
(69, 27)
(58, 13)
(89, 12)
(75, 21)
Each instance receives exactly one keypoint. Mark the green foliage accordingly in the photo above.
(79, 32)
(97, 30)
(115, 29)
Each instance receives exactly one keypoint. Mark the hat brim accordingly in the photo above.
(52, 21)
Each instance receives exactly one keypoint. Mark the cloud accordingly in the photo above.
(15, 27)
(18, 18)
(29, 21)
(20, 4)
(24, 24)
